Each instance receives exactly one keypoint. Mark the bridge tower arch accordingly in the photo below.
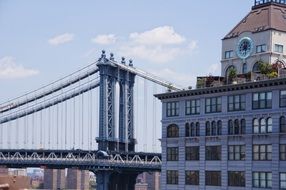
(116, 109)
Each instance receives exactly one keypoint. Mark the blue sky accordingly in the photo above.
(41, 41)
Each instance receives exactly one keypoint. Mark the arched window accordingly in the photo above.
(244, 68)
(236, 127)
(172, 131)
(282, 124)
(242, 126)
(193, 130)
(219, 127)
(214, 129)
(262, 124)
(198, 129)
(255, 126)
(187, 129)
(230, 127)
(208, 129)
(255, 68)
(269, 125)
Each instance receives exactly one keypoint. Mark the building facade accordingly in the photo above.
(232, 136)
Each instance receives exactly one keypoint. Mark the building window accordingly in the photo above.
(192, 153)
(282, 124)
(192, 107)
(236, 127)
(282, 180)
(262, 100)
(172, 177)
(172, 131)
(213, 152)
(172, 109)
(228, 54)
(262, 125)
(244, 68)
(283, 98)
(172, 154)
(262, 179)
(192, 178)
(283, 152)
(193, 129)
(236, 103)
(214, 128)
(213, 105)
(278, 48)
(213, 178)
(262, 152)
(261, 48)
(236, 179)
(236, 152)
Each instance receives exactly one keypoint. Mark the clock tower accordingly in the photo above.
(260, 36)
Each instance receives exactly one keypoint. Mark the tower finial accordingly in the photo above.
(130, 62)
(123, 60)
(111, 57)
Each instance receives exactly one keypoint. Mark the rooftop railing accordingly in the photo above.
(260, 2)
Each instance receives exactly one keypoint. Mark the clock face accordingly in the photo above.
(244, 47)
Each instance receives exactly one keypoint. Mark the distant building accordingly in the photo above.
(18, 172)
(54, 179)
(14, 182)
(148, 181)
(4, 171)
(77, 179)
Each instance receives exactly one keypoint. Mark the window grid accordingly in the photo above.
(283, 98)
(213, 152)
(172, 131)
(236, 179)
(172, 177)
(283, 152)
(283, 180)
(192, 129)
(262, 179)
(192, 178)
(262, 125)
(236, 127)
(192, 153)
(236, 103)
(228, 54)
(172, 109)
(213, 105)
(172, 154)
(262, 100)
(192, 107)
(261, 48)
(236, 152)
(262, 152)
(278, 48)
(213, 128)
(213, 178)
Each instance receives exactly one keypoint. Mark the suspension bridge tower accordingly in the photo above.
(116, 119)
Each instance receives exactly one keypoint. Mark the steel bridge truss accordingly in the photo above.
(86, 160)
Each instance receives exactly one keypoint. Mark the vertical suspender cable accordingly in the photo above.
(74, 122)
(33, 130)
(145, 115)
(82, 120)
(137, 108)
(41, 129)
(49, 128)
(57, 125)
(66, 122)
(8, 134)
(17, 133)
(154, 118)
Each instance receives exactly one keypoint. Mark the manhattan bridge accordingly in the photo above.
(102, 118)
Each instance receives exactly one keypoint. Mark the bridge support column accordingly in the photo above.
(102, 180)
(107, 180)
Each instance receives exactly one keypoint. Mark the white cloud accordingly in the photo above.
(214, 68)
(61, 39)
(105, 39)
(10, 70)
(158, 36)
(182, 79)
